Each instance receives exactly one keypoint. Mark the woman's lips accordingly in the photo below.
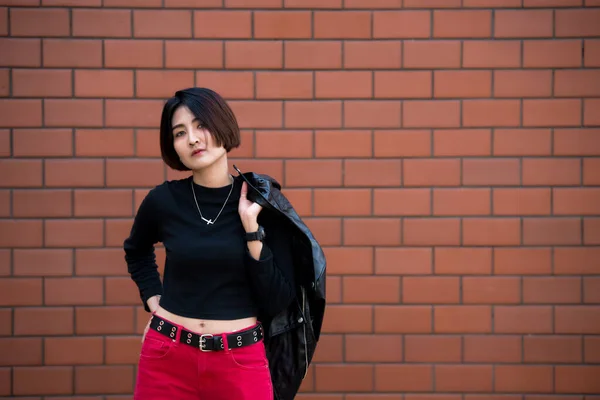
(197, 152)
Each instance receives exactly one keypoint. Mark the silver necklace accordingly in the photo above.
(210, 221)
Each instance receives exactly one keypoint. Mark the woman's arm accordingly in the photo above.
(139, 252)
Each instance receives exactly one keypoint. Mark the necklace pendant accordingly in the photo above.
(208, 221)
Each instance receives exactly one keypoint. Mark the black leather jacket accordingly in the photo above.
(291, 336)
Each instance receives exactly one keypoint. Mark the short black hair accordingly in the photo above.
(214, 114)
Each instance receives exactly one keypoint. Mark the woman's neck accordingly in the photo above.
(215, 176)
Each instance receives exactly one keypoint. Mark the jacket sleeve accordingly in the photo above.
(139, 249)
(272, 275)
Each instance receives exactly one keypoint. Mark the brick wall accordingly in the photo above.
(448, 160)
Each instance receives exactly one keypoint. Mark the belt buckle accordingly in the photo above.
(203, 341)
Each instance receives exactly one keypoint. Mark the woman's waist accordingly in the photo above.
(207, 325)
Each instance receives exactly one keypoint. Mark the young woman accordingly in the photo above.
(204, 339)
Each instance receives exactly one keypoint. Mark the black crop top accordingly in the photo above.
(209, 272)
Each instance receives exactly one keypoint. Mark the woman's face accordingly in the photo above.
(193, 143)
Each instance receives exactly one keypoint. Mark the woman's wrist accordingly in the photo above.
(153, 302)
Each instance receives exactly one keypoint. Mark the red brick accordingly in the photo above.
(577, 23)
(372, 114)
(73, 351)
(463, 261)
(132, 113)
(41, 83)
(384, 232)
(491, 290)
(48, 381)
(356, 378)
(372, 4)
(577, 379)
(343, 84)
(76, 53)
(551, 290)
(555, 231)
(552, 3)
(523, 23)
(128, 53)
(430, 290)
(180, 3)
(591, 116)
(524, 261)
(523, 201)
(549, 171)
(223, 24)
(576, 320)
(42, 143)
(4, 82)
(522, 83)
(497, 172)
(255, 114)
(253, 3)
(121, 291)
(403, 319)
(416, 261)
(139, 173)
(284, 85)
(403, 84)
(523, 319)
(464, 378)
(556, 53)
(592, 53)
(39, 22)
(356, 143)
(591, 231)
(332, 202)
(467, 142)
(162, 84)
(41, 203)
(463, 84)
(372, 348)
(74, 233)
(348, 319)
(431, 172)
(576, 201)
(591, 166)
(415, 378)
(313, 114)
(524, 378)
(574, 260)
(104, 142)
(431, 232)
(312, 3)
(457, 202)
(73, 291)
(414, 202)
(491, 231)
(462, 319)
(430, 114)
(432, 3)
(73, 173)
(101, 23)
(72, 3)
(349, 260)
(282, 25)
(522, 142)
(322, 54)
(253, 55)
(103, 83)
(424, 348)
(372, 54)
(23, 233)
(359, 172)
(42, 262)
(15, 113)
(491, 54)
(559, 349)
(20, 173)
(104, 320)
(492, 349)
(577, 142)
(162, 24)
(462, 23)
(380, 290)
(576, 83)
(342, 25)
(20, 52)
(43, 321)
(238, 84)
(103, 261)
(21, 351)
(488, 113)
(284, 144)
(102, 203)
(20, 292)
(313, 173)
(73, 112)
(103, 379)
(403, 24)
(122, 349)
(402, 143)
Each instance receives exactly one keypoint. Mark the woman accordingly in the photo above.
(203, 339)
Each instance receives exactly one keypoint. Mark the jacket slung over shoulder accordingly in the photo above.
(292, 333)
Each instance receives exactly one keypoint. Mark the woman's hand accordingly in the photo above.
(153, 306)
(248, 210)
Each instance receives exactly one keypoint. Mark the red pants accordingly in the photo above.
(169, 369)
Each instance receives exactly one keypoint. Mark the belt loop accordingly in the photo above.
(225, 343)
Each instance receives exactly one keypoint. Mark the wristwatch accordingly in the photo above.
(258, 235)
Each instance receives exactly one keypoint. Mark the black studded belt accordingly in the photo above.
(207, 341)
